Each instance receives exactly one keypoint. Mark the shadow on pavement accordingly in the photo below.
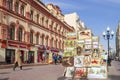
(118, 69)
(114, 77)
(5, 79)
(5, 73)
(61, 78)
(27, 69)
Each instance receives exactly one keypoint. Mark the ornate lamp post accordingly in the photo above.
(108, 36)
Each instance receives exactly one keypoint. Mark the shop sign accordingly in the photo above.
(42, 47)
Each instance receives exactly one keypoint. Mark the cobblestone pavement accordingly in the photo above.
(50, 72)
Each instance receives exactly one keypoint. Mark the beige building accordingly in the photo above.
(118, 41)
(32, 27)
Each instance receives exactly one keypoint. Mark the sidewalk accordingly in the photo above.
(24, 65)
(114, 71)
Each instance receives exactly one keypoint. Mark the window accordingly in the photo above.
(31, 15)
(37, 18)
(12, 32)
(20, 34)
(16, 7)
(51, 44)
(47, 41)
(31, 37)
(10, 4)
(42, 39)
(46, 23)
(43, 21)
(22, 10)
(37, 38)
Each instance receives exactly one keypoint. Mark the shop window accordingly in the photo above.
(10, 4)
(10, 56)
(20, 34)
(16, 7)
(12, 32)
(31, 37)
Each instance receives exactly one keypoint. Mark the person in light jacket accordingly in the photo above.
(18, 60)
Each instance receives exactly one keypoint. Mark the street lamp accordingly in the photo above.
(108, 35)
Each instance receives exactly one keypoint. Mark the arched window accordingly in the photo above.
(20, 34)
(31, 37)
(10, 4)
(22, 10)
(37, 38)
(12, 32)
(16, 7)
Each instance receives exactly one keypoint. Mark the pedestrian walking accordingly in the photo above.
(18, 60)
(55, 58)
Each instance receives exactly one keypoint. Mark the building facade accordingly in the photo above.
(118, 41)
(32, 27)
(73, 20)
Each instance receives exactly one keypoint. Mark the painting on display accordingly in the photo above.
(95, 62)
(68, 61)
(78, 61)
(95, 38)
(81, 43)
(88, 46)
(88, 41)
(70, 43)
(97, 72)
(87, 51)
(80, 73)
(69, 52)
(95, 46)
(87, 60)
(84, 34)
(95, 43)
(71, 36)
(69, 71)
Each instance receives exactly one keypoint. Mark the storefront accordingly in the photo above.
(30, 56)
(10, 56)
(43, 54)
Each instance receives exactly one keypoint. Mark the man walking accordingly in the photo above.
(18, 60)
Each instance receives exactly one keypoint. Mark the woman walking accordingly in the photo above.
(18, 60)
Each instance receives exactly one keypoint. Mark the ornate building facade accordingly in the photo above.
(32, 27)
(118, 41)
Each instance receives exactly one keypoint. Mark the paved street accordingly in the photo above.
(114, 71)
(49, 72)
(45, 72)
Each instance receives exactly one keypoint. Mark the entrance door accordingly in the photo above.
(10, 56)
(31, 57)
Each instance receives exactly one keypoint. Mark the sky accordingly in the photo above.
(96, 15)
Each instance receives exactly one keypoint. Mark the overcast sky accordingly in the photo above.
(96, 14)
